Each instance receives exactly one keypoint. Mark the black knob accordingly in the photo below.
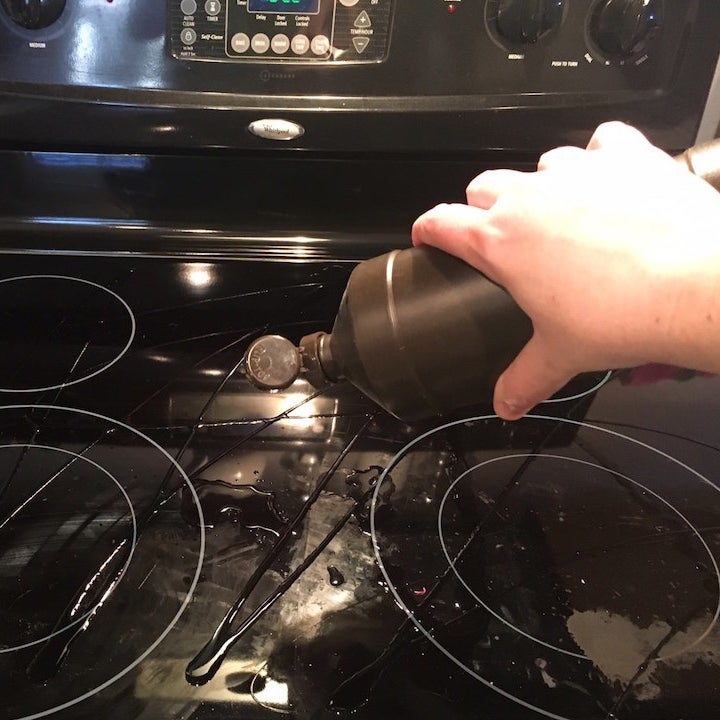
(623, 28)
(33, 14)
(526, 21)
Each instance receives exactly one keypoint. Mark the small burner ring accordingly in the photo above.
(104, 366)
(646, 489)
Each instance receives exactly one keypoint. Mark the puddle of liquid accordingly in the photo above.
(224, 502)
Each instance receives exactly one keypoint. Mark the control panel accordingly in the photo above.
(427, 76)
(614, 31)
(280, 30)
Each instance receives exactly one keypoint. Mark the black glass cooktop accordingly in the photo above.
(175, 543)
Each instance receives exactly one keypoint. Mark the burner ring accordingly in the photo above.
(411, 615)
(194, 580)
(499, 617)
(102, 368)
(82, 617)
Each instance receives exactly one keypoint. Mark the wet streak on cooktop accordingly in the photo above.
(206, 663)
(546, 568)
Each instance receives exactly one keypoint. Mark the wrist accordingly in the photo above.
(691, 336)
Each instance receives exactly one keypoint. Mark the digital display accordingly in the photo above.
(297, 7)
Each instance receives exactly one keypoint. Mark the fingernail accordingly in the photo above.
(511, 409)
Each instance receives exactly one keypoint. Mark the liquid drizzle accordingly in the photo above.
(202, 668)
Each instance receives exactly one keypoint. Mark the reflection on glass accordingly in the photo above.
(198, 275)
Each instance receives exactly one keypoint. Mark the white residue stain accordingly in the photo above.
(618, 647)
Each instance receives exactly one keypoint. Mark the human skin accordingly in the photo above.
(613, 251)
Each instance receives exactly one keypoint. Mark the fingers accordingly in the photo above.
(461, 230)
(560, 157)
(612, 136)
(484, 191)
(532, 377)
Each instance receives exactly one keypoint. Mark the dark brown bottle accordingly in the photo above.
(420, 332)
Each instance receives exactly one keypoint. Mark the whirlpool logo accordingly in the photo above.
(276, 129)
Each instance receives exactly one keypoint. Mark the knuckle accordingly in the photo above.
(492, 180)
(559, 156)
(615, 134)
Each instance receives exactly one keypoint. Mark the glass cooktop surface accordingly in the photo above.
(176, 543)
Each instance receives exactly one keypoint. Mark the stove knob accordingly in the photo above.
(33, 14)
(526, 21)
(623, 28)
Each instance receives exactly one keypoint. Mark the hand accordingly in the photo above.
(613, 252)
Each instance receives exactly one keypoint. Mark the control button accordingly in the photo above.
(188, 36)
(280, 44)
(213, 7)
(188, 7)
(240, 42)
(360, 42)
(362, 20)
(260, 43)
(320, 45)
(300, 44)
(349, 3)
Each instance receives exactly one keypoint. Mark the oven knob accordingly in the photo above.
(622, 29)
(526, 21)
(33, 14)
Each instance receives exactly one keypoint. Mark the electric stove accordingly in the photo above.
(180, 178)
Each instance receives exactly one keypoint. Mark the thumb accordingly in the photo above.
(532, 377)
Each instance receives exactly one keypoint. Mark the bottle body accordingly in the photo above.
(422, 333)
